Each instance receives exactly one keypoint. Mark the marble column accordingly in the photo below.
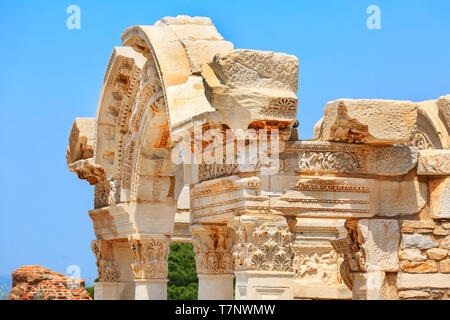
(212, 245)
(316, 263)
(263, 258)
(114, 270)
(150, 268)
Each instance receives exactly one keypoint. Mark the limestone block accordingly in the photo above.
(305, 291)
(187, 100)
(215, 286)
(257, 69)
(419, 267)
(154, 289)
(440, 198)
(381, 241)
(412, 255)
(444, 266)
(441, 231)
(396, 198)
(416, 281)
(434, 162)
(369, 121)
(326, 197)
(249, 88)
(218, 200)
(81, 140)
(444, 110)
(112, 222)
(199, 37)
(373, 285)
(183, 199)
(437, 254)
(260, 285)
(153, 217)
(419, 241)
(445, 244)
(408, 294)
(418, 224)
(106, 291)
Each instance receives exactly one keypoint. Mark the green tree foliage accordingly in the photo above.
(183, 281)
(91, 289)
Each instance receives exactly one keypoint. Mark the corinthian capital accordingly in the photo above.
(150, 253)
(262, 244)
(106, 265)
(212, 246)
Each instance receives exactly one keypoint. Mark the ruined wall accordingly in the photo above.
(39, 283)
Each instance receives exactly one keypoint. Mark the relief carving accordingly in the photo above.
(317, 265)
(263, 247)
(150, 258)
(106, 194)
(107, 269)
(213, 250)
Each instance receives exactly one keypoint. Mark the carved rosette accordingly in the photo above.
(150, 257)
(262, 244)
(212, 246)
(107, 268)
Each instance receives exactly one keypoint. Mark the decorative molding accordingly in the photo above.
(285, 108)
(106, 194)
(208, 189)
(150, 257)
(215, 170)
(332, 185)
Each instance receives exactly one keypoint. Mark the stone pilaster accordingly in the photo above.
(263, 258)
(107, 269)
(212, 245)
(150, 268)
(317, 265)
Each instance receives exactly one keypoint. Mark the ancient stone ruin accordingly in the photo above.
(39, 283)
(197, 142)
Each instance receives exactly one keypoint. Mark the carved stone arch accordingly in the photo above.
(113, 109)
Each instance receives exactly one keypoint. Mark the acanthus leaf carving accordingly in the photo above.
(150, 257)
(263, 246)
(213, 250)
(107, 268)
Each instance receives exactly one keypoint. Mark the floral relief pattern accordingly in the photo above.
(150, 258)
(263, 248)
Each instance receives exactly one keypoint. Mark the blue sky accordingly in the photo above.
(52, 75)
